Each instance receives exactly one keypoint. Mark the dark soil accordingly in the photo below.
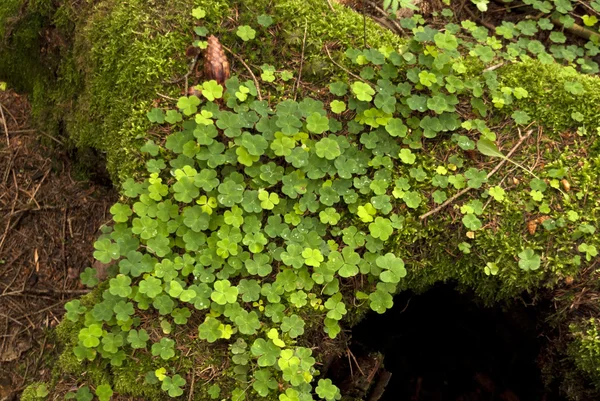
(51, 207)
(443, 346)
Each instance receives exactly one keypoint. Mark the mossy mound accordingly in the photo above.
(111, 66)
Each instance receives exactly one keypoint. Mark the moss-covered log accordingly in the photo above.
(94, 69)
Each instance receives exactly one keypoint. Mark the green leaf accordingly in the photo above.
(265, 20)
(198, 13)
(529, 260)
(74, 310)
(327, 390)
(312, 257)
(472, 222)
(224, 293)
(380, 301)
(521, 117)
(106, 250)
(266, 351)
(138, 339)
(120, 285)
(293, 325)
(337, 106)
(446, 41)
(407, 156)
(188, 105)
(104, 392)
(211, 90)
(328, 148)
(165, 348)
(156, 115)
(574, 88)
(362, 91)
(381, 228)
(246, 33)
(173, 386)
(150, 286)
(488, 148)
(88, 277)
(393, 268)
(316, 123)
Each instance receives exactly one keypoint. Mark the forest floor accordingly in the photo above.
(51, 208)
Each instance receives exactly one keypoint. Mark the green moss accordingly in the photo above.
(35, 392)
(584, 349)
(549, 102)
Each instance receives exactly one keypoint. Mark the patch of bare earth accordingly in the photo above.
(48, 223)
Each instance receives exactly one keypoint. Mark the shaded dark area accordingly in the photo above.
(441, 346)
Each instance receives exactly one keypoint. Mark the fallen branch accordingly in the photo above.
(387, 16)
(491, 173)
(578, 30)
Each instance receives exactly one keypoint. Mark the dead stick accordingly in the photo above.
(241, 60)
(4, 123)
(345, 69)
(297, 84)
(464, 191)
(387, 15)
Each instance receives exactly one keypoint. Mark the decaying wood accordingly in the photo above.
(216, 65)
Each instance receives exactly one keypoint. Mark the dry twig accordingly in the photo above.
(297, 84)
(241, 60)
(491, 173)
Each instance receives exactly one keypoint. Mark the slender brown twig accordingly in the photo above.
(241, 60)
(4, 123)
(297, 84)
(345, 69)
(491, 173)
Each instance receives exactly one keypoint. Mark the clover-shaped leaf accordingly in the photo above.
(104, 392)
(328, 148)
(293, 325)
(210, 329)
(120, 285)
(327, 390)
(211, 90)
(471, 222)
(529, 260)
(198, 13)
(380, 301)
(90, 336)
(156, 115)
(106, 250)
(150, 286)
(138, 339)
(173, 386)
(266, 351)
(362, 91)
(74, 310)
(88, 277)
(188, 105)
(123, 310)
(393, 268)
(381, 228)
(246, 33)
(165, 348)
(316, 123)
(336, 307)
(312, 257)
(224, 293)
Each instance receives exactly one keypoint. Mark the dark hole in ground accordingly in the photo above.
(445, 346)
